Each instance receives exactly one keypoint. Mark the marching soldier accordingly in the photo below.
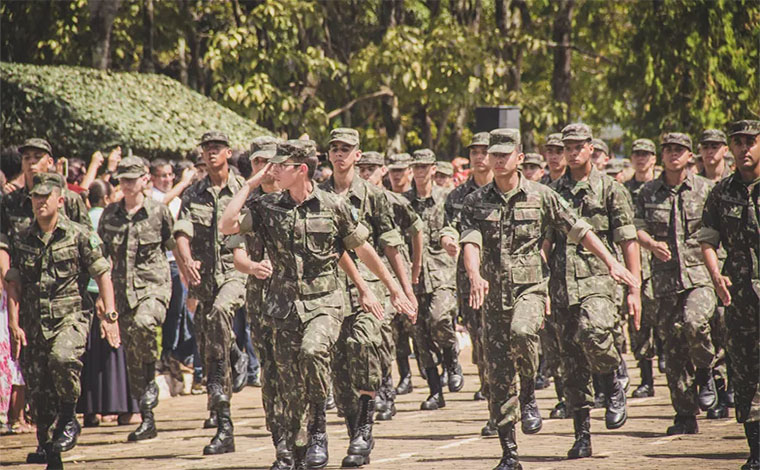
(555, 158)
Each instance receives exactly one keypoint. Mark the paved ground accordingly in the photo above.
(444, 439)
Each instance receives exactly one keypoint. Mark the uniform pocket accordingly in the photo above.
(319, 233)
(65, 262)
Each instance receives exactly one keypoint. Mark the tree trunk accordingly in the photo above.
(393, 126)
(561, 75)
(181, 52)
(148, 65)
(102, 14)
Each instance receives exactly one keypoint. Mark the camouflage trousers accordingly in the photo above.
(642, 340)
(271, 385)
(552, 350)
(588, 346)
(719, 336)
(743, 349)
(388, 347)
(302, 354)
(510, 338)
(473, 321)
(403, 333)
(52, 368)
(684, 320)
(138, 332)
(213, 331)
(435, 324)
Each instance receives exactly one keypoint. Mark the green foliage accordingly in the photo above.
(81, 110)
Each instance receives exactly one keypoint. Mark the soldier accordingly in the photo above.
(643, 157)
(136, 233)
(209, 268)
(582, 291)
(713, 150)
(555, 158)
(435, 289)
(601, 154)
(444, 175)
(533, 166)
(372, 169)
(731, 219)
(480, 175)
(502, 224)
(399, 172)
(357, 363)
(668, 217)
(49, 312)
(303, 228)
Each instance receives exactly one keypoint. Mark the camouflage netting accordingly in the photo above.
(80, 110)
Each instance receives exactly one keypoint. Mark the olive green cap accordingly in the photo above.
(423, 157)
(36, 143)
(713, 135)
(599, 144)
(481, 138)
(745, 127)
(614, 166)
(676, 138)
(264, 147)
(577, 131)
(554, 140)
(214, 136)
(445, 168)
(344, 134)
(293, 149)
(371, 158)
(130, 167)
(534, 159)
(399, 161)
(643, 145)
(44, 183)
(503, 140)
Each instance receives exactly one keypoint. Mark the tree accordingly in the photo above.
(102, 14)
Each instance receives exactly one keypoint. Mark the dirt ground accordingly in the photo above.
(448, 439)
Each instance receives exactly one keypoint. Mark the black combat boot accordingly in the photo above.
(489, 429)
(706, 388)
(752, 431)
(405, 376)
(452, 366)
(509, 459)
(54, 461)
(389, 395)
(720, 410)
(435, 400)
(560, 409)
(224, 440)
(730, 395)
(362, 442)
(316, 451)
(210, 422)
(67, 429)
(283, 455)
(542, 380)
(529, 415)
(683, 424)
(330, 402)
(646, 389)
(616, 414)
(239, 362)
(600, 399)
(582, 425)
(299, 458)
(148, 401)
(622, 375)
(43, 441)
(479, 396)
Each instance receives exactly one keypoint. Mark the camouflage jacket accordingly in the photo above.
(137, 244)
(731, 219)
(202, 207)
(438, 268)
(16, 214)
(407, 221)
(303, 242)
(508, 229)
(674, 215)
(605, 204)
(634, 188)
(53, 274)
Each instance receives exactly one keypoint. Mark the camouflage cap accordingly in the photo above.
(503, 140)
(676, 138)
(264, 147)
(643, 145)
(577, 131)
(554, 140)
(344, 134)
(481, 138)
(371, 158)
(293, 149)
(44, 183)
(713, 135)
(423, 157)
(444, 168)
(534, 159)
(130, 167)
(745, 127)
(214, 136)
(36, 143)
(399, 161)
(599, 144)
(614, 166)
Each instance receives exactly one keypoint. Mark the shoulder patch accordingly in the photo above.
(94, 240)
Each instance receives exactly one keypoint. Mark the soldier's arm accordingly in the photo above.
(367, 298)
(400, 301)
(624, 230)
(230, 222)
(414, 227)
(390, 240)
(472, 241)
(709, 241)
(18, 336)
(183, 233)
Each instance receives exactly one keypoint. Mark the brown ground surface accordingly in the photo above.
(444, 439)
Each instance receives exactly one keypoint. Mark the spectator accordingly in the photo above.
(10, 164)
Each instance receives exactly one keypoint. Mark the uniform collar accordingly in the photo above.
(592, 184)
(232, 184)
(660, 183)
(63, 224)
(506, 197)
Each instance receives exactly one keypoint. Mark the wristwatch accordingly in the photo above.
(111, 316)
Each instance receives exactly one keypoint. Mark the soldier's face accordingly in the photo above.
(46, 206)
(533, 172)
(35, 161)
(423, 174)
(215, 155)
(287, 174)
(746, 151)
(131, 187)
(578, 153)
(599, 159)
(675, 157)
(504, 164)
(555, 158)
(479, 158)
(372, 173)
(444, 181)
(642, 161)
(712, 152)
(399, 177)
(343, 156)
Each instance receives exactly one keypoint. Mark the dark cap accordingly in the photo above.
(745, 127)
(481, 138)
(214, 136)
(503, 140)
(534, 159)
(36, 143)
(344, 134)
(614, 166)
(423, 157)
(299, 149)
(399, 161)
(599, 144)
(676, 138)
(713, 135)
(643, 145)
(130, 167)
(44, 183)
(445, 168)
(577, 131)
(371, 158)
(264, 147)
(554, 140)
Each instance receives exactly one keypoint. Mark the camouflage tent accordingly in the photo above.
(80, 110)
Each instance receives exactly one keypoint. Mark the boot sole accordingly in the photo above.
(582, 455)
(533, 431)
(354, 464)
(133, 438)
(225, 450)
(619, 424)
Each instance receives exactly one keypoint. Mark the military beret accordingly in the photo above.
(264, 147)
(214, 136)
(534, 159)
(599, 144)
(555, 140)
(676, 138)
(36, 143)
(445, 168)
(130, 167)
(371, 158)
(399, 161)
(344, 134)
(44, 183)
(745, 127)
(578, 131)
(423, 157)
(481, 138)
(713, 135)
(643, 145)
(503, 140)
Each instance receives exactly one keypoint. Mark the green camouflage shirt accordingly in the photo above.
(137, 245)
(634, 188)
(407, 221)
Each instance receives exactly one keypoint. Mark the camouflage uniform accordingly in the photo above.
(681, 285)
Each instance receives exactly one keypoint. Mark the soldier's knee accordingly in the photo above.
(145, 322)
(313, 353)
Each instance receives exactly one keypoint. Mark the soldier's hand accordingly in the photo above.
(187, 175)
(402, 304)
(448, 244)
(478, 291)
(114, 158)
(193, 272)
(110, 331)
(412, 298)
(262, 270)
(548, 306)
(370, 304)
(661, 251)
(620, 274)
(722, 283)
(18, 340)
(634, 306)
